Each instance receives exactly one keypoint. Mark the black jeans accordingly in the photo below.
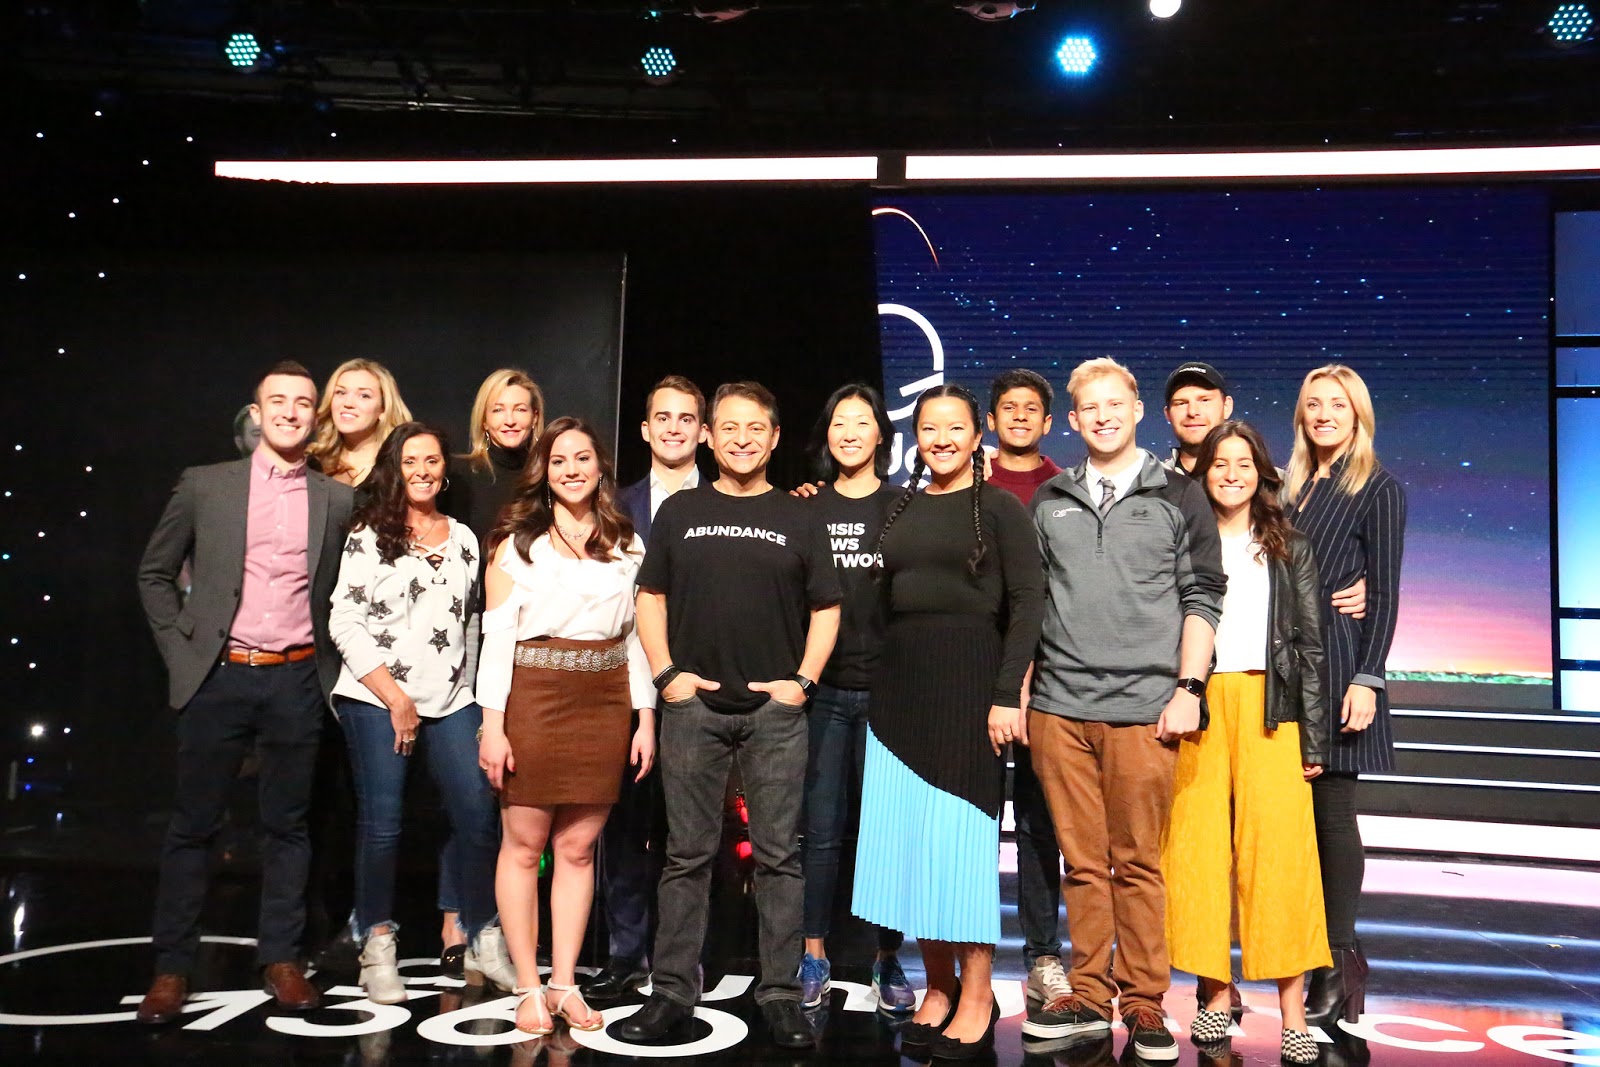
(277, 711)
(697, 749)
(1339, 849)
(1038, 862)
(630, 863)
(836, 754)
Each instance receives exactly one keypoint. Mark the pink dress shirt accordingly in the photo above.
(275, 598)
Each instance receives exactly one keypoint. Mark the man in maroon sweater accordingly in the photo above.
(1019, 415)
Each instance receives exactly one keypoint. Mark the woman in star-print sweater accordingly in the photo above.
(404, 618)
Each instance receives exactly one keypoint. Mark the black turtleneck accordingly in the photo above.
(477, 494)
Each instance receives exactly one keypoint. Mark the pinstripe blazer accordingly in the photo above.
(1353, 536)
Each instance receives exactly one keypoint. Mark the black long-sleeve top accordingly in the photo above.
(925, 558)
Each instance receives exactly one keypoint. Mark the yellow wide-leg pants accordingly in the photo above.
(1271, 838)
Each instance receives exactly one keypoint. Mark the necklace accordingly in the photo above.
(421, 539)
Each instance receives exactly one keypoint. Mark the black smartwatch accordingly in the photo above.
(807, 686)
(1192, 685)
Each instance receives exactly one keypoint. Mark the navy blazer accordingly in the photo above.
(635, 500)
(205, 523)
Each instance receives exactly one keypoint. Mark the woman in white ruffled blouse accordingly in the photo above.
(560, 678)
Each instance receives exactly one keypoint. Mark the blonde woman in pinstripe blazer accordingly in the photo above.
(1354, 514)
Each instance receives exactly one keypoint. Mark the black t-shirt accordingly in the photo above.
(741, 575)
(853, 525)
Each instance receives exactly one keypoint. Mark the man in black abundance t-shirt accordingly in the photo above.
(734, 573)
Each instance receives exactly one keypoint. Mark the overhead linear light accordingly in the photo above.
(724, 12)
(1165, 9)
(1192, 166)
(557, 171)
(1076, 55)
(1570, 23)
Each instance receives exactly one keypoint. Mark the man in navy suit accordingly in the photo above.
(674, 427)
(250, 665)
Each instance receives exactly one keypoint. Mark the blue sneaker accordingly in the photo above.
(889, 983)
(816, 978)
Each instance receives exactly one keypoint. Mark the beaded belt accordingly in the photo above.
(572, 659)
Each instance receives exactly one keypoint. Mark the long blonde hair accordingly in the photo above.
(493, 386)
(329, 447)
(1361, 459)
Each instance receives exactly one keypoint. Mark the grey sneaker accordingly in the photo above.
(380, 975)
(1047, 980)
(1066, 1017)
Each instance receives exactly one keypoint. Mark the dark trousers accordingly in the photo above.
(630, 864)
(837, 753)
(1038, 862)
(278, 712)
(697, 750)
(1339, 849)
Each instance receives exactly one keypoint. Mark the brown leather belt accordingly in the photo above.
(260, 657)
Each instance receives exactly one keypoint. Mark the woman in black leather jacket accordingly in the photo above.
(1265, 742)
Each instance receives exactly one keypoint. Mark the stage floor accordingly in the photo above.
(1471, 964)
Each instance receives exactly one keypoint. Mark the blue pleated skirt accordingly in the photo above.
(927, 862)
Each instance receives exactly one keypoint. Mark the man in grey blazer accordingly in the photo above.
(250, 664)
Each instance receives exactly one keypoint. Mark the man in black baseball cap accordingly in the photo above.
(1197, 400)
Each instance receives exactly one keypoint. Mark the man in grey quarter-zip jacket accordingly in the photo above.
(1134, 566)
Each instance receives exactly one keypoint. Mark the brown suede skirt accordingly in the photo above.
(568, 728)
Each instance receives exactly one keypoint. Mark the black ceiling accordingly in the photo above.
(891, 74)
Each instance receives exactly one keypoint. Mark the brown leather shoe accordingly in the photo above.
(287, 983)
(164, 1002)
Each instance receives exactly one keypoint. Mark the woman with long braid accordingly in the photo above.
(965, 592)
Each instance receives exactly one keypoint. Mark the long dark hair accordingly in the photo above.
(1268, 524)
(919, 467)
(529, 514)
(381, 500)
(822, 459)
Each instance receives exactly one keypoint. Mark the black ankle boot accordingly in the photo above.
(1338, 992)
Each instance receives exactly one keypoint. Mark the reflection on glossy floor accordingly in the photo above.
(1456, 979)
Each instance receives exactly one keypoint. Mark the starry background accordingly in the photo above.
(1437, 296)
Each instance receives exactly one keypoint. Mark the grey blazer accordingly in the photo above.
(205, 523)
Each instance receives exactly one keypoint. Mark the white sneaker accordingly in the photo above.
(1048, 980)
(380, 975)
(488, 960)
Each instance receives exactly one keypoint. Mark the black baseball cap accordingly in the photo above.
(1195, 374)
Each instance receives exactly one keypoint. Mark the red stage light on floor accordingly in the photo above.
(745, 850)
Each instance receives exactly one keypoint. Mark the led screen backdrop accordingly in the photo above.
(1437, 296)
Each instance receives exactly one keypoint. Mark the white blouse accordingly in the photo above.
(556, 596)
(405, 615)
(1242, 634)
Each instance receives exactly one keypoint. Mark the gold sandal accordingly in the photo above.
(596, 1020)
(522, 994)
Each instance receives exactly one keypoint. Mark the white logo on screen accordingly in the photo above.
(905, 443)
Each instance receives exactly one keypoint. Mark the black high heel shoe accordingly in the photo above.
(948, 1048)
(1338, 992)
(915, 1033)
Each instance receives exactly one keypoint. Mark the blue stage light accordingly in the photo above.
(242, 50)
(1077, 55)
(1570, 23)
(658, 62)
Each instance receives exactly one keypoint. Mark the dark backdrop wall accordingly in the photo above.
(772, 283)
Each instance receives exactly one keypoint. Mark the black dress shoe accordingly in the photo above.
(948, 1048)
(616, 979)
(1338, 992)
(915, 1033)
(788, 1023)
(659, 1017)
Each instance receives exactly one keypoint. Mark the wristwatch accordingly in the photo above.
(1193, 685)
(807, 686)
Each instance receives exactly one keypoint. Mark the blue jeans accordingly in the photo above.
(450, 746)
(1038, 862)
(838, 746)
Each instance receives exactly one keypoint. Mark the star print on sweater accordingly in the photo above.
(441, 641)
(357, 594)
(385, 640)
(399, 671)
(354, 547)
(380, 609)
(456, 607)
(416, 589)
